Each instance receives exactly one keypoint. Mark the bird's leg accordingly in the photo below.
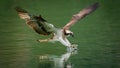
(44, 40)
(47, 40)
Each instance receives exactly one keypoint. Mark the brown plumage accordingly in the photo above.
(41, 26)
(37, 23)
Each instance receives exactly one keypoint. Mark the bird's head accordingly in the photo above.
(68, 33)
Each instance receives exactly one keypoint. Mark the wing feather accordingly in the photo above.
(81, 15)
(37, 23)
(22, 13)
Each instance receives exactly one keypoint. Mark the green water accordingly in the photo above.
(98, 35)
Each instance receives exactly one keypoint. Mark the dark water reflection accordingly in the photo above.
(54, 61)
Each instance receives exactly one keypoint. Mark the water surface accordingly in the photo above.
(97, 35)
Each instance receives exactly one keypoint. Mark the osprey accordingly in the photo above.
(41, 26)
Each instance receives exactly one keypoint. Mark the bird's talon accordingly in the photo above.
(37, 40)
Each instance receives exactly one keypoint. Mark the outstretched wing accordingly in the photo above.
(37, 23)
(81, 15)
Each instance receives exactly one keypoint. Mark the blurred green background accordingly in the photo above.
(98, 35)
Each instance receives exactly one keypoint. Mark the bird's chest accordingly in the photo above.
(59, 34)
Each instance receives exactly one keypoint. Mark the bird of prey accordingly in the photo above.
(42, 27)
